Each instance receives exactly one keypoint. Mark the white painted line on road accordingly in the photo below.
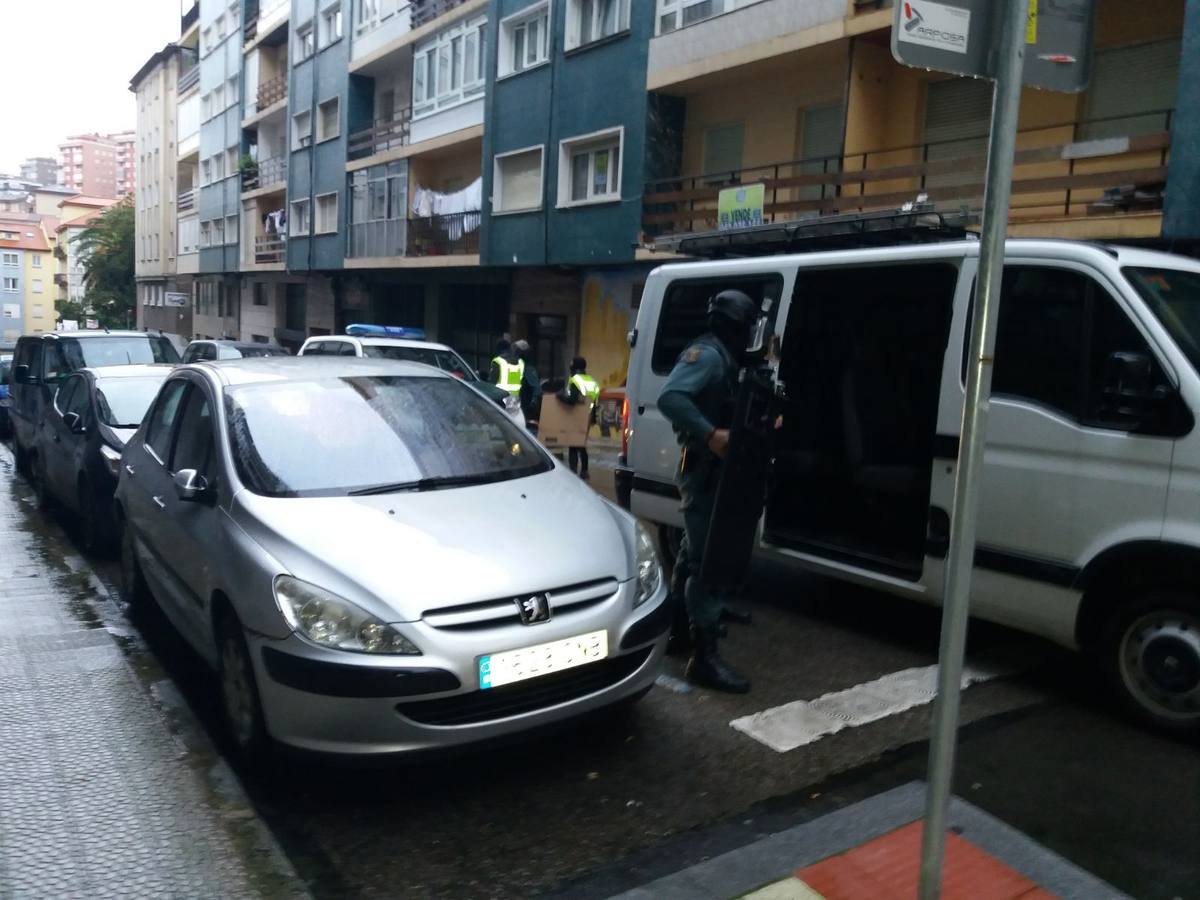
(784, 728)
(678, 685)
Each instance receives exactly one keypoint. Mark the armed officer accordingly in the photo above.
(698, 400)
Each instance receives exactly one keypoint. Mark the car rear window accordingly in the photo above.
(117, 350)
(332, 436)
(123, 402)
(446, 360)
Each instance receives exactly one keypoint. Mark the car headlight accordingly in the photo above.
(112, 459)
(649, 571)
(333, 621)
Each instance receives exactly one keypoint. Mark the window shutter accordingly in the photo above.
(723, 149)
(1133, 83)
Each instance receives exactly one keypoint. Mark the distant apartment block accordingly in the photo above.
(41, 170)
(99, 165)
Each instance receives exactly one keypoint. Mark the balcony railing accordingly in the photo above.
(185, 201)
(271, 91)
(269, 249)
(188, 79)
(384, 134)
(449, 235)
(387, 237)
(60, 279)
(1074, 170)
(425, 11)
(266, 173)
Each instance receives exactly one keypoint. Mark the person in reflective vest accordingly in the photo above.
(581, 388)
(507, 371)
(529, 386)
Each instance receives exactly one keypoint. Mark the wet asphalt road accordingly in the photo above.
(619, 800)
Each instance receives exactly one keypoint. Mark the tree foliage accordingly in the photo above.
(106, 248)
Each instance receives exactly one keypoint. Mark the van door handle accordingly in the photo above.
(159, 502)
(129, 469)
(641, 410)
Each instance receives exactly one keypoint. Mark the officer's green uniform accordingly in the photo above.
(697, 399)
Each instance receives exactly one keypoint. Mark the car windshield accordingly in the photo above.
(444, 359)
(95, 352)
(1173, 295)
(123, 402)
(335, 436)
(255, 352)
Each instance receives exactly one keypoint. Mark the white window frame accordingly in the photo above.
(12, 259)
(231, 234)
(589, 143)
(300, 212)
(669, 14)
(302, 140)
(326, 227)
(574, 32)
(37, 260)
(337, 125)
(35, 285)
(518, 23)
(498, 182)
(429, 55)
(10, 285)
(205, 172)
(330, 15)
(306, 39)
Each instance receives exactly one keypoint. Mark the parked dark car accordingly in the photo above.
(5, 375)
(198, 351)
(75, 456)
(41, 361)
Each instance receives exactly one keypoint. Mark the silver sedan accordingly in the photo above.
(376, 560)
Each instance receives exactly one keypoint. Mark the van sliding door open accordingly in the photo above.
(861, 363)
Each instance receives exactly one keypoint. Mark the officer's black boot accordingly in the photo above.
(735, 614)
(707, 669)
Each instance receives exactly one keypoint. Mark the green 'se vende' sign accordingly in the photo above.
(740, 207)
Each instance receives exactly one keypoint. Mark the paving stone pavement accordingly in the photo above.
(99, 797)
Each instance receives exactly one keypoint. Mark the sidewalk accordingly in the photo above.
(99, 796)
(870, 851)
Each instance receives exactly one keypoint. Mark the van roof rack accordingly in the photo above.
(911, 224)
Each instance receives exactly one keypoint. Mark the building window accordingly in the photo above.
(10, 285)
(218, 232)
(231, 91)
(206, 40)
(517, 180)
(448, 70)
(37, 309)
(589, 168)
(593, 20)
(231, 229)
(331, 24)
(231, 161)
(525, 40)
(378, 210)
(260, 294)
(674, 14)
(301, 130)
(205, 171)
(327, 213)
(304, 42)
(298, 224)
(328, 119)
(11, 259)
(37, 260)
(36, 285)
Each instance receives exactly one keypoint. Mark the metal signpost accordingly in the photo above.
(1045, 43)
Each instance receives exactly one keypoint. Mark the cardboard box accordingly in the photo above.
(563, 425)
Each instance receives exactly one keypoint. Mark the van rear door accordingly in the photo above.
(674, 312)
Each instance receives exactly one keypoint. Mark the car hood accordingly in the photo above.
(400, 555)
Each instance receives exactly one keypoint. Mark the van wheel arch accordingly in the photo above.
(1112, 578)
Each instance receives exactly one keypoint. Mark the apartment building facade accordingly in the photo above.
(41, 170)
(481, 167)
(99, 165)
(27, 295)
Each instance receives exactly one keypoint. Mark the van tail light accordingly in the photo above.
(625, 428)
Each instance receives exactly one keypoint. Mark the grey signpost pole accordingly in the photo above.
(960, 557)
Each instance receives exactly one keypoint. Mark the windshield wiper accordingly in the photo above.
(424, 484)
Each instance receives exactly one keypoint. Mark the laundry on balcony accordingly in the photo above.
(275, 223)
(427, 204)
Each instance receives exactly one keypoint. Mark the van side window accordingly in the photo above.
(684, 313)
(1057, 330)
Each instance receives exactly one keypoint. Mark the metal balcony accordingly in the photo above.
(265, 173)
(271, 92)
(269, 249)
(450, 235)
(425, 11)
(384, 134)
(188, 79)
(185, 201)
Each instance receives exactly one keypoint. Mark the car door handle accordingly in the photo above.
(129, 469)
(159, 502)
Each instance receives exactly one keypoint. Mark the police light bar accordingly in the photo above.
(391, 331)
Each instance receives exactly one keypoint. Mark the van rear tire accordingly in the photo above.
(1151, 650)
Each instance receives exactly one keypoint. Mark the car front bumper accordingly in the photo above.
(329, 701)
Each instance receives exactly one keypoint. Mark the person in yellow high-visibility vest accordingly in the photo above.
(507, 370)
(581, 388)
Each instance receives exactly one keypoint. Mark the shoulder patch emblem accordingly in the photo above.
(692, 355)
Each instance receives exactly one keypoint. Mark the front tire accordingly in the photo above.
(95, 541)
(240, 704)
(37, 481)
(1152, 652)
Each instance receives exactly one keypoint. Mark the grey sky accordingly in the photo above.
(68, 64)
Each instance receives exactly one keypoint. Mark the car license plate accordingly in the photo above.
(541, 659)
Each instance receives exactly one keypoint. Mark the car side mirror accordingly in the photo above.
(190, 485)
(23, 375)
(74, 423)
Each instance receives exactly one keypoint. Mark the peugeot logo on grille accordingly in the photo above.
(534, 610)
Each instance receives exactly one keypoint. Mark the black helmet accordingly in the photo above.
(734, 307)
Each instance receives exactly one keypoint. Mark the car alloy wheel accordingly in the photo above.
(1159, 664)
(239, 691)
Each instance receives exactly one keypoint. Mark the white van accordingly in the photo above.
(1089, 530)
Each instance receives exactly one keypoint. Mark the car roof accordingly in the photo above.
(232, 372)
(139, 370)
(227, 342)
(379, 341)
(93, 333)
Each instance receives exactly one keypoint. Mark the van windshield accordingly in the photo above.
(95, 352)
(1173, 295)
